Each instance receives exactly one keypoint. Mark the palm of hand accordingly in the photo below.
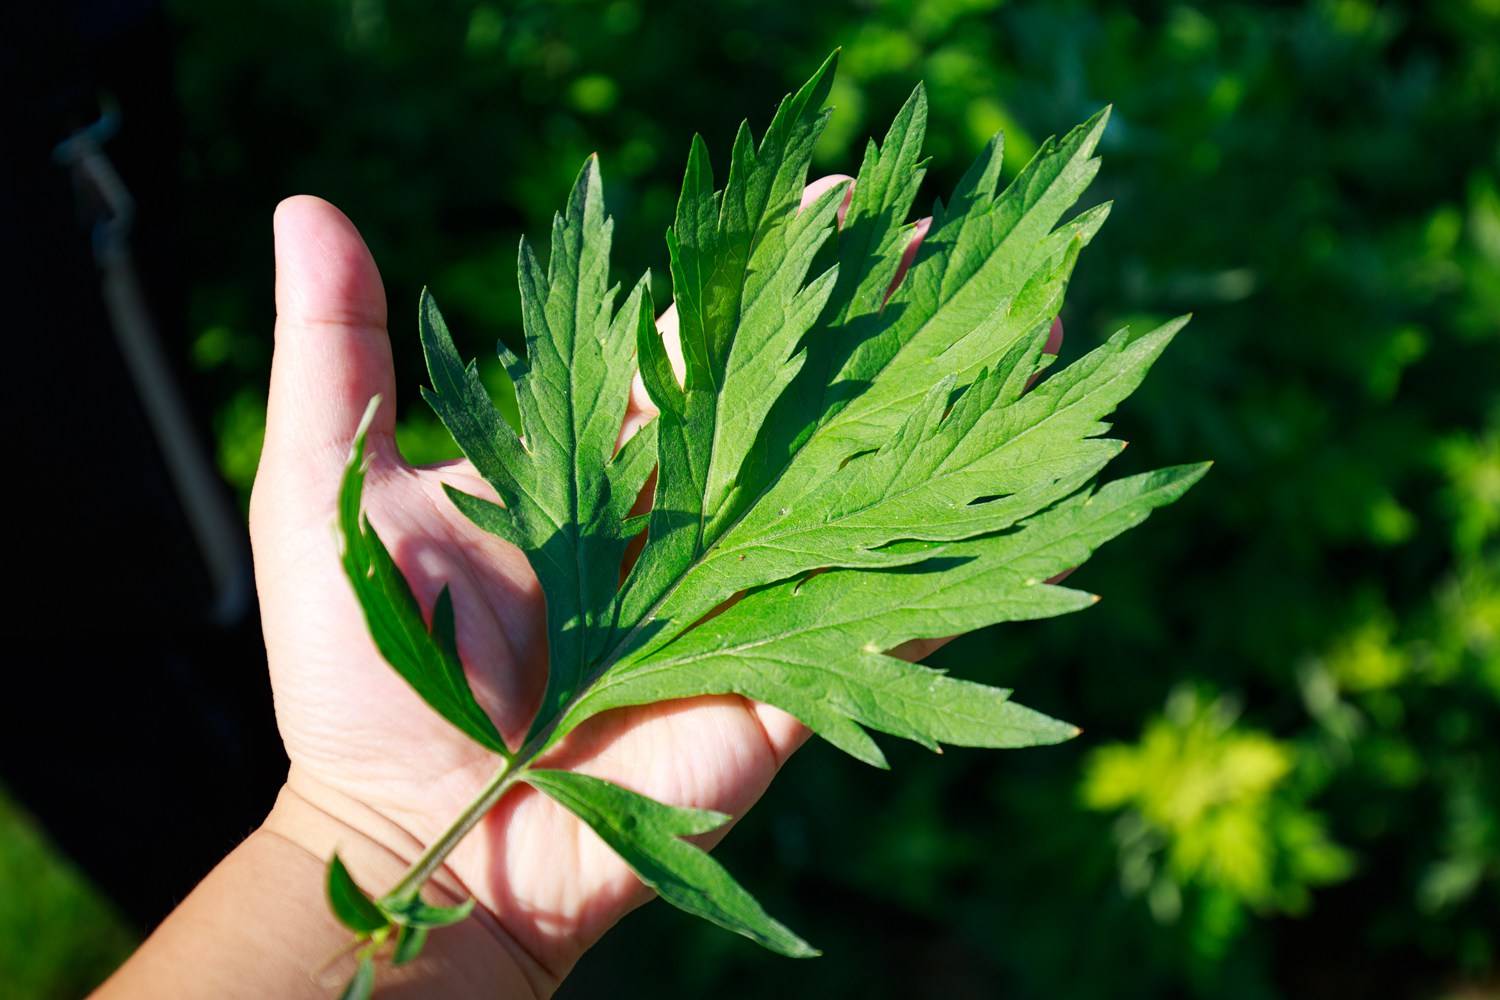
(351, 725)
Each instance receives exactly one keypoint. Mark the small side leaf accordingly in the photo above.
(362, 983)
(425, 659)
(349, 903)
(409, 942)
(646, 834)
(416, 912)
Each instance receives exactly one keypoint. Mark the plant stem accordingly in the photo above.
(512, 769)
(437, 852)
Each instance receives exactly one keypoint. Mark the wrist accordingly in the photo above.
(318, 820)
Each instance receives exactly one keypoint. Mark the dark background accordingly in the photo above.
(1289, 782)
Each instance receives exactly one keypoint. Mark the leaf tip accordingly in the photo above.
(368, 418)
(349, 903)
(815, 91)
(1189, 475)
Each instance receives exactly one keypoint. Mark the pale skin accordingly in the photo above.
(375, 773)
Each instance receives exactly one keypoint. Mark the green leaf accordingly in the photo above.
(562, 496)
(978, 302)
(349, 903)
(846, 463)
(874, 236)
(416, 912)
(427, 659)
(647, 835)
(362, 983)
(409, 942)
(739, 263)
(815, 648)
(957, 467)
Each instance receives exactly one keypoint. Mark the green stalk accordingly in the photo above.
(437, 852)
(512, 769)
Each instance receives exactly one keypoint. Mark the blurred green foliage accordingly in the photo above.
(57, 938)
(1206, 807)
(1290, 779)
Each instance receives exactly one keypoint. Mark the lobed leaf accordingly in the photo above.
(561, 495)
(979, 298)
(846, 464)
(816, 648)
(647, 836)
(739, 263)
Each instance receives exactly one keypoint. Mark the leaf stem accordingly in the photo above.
(320, 975)
(432, 859)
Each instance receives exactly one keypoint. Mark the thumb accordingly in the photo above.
(332, 353)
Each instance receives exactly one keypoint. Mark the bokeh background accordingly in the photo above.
(1289, 783)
